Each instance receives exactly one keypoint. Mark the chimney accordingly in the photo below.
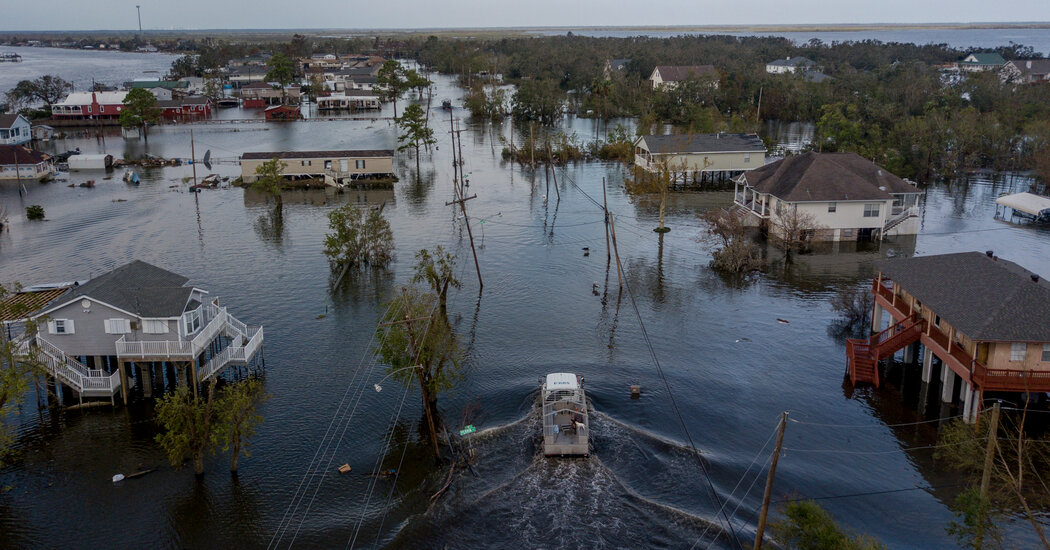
(989, 253)
(1035, 278)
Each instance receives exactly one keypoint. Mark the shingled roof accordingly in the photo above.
(137, 287)
(987, 299)
(703, 143)
(25, 155)
(317, 154)
(674, 73)
(824, 177)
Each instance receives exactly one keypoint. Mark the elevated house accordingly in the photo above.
(353, 100)
(700, 157)
(43, 132)
(187, 108)
(163, 89)
(261, 94)
(238, 76)
(1026, 71)
(981, 61)
(89, 105)
(20, 162)
(15, 129)
(987, 321)
(849, 197)
(137, 321)
(791, 65)
(667, 77)
(282, 112)
(337, 166)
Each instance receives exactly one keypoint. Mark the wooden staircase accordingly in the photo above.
(863, 355)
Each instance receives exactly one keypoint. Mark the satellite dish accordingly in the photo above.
(85, 303)
(207, 159)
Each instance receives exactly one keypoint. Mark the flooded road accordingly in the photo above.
(732, 366)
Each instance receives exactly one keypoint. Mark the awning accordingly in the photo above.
(1029, 203)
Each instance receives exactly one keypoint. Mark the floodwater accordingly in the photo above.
(731, 366)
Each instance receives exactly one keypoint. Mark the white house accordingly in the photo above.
(849, 197)
(981, 61)
(667, 77)
(20, 162)
(790, 65)
(15, 129)
(701, 157)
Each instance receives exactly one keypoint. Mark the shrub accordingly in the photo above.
(34, 212)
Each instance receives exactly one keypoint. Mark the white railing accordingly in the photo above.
(76, 374)
(237, 352)
(216, 319)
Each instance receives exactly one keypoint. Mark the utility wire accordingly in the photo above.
(904, 450)
(861, 426)
(888, 491)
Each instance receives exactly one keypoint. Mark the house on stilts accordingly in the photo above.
(132, 327)
(986, 320)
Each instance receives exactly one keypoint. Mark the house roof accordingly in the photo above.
(368, 153)
(8, 120)
(257, 85)
(166, 84)
(674, 73)
(103, 98)
(1032, 66)
(984, 58)
(816, 76)
(25, 155)
(792, 62)
(21, 305)
(703, 143)
(984, 298)
(139, 288)
(823, 177)
(618, 64)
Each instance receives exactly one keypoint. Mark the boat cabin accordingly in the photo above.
(565, 421)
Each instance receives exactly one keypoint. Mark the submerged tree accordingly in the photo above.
(282, 72)
(238, 416)
(415, 132)
(807, 526)
(17, 364)
(358, 237)
(140, 110)
(657, 182)
(738, 253)
(794, 230)
(269, 179)
(853, 303)
(437, 269)
(189, 427)
(418, 344)
(391, 81)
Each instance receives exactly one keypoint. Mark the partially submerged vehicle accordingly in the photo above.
(565, 422)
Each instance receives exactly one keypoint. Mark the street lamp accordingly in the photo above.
(391, 373)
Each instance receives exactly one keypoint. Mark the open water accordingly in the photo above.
(730, 364)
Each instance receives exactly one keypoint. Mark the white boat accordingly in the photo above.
(565, 422)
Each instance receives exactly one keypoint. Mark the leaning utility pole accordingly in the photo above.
(769, 481)
(462, 201)
(993, 433)
(138, 9)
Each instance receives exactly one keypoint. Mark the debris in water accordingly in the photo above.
(636, 391)
(784, 321)
(118, 478)
(594, 288)
(345, 469)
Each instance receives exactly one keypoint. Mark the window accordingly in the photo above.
(1018, 350)
(192, 320)
(833, 206)
(1046, 353)
(102, 109)
(937, 321)
(306, 163)
(154, 326)
(747, 157)
(359, 164)
(327, 165)
(61, 326)
(871, 210)
(118, 326)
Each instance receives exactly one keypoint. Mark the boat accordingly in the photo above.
(131, 177)
(10, 57)
(565, 421)
(446, 104)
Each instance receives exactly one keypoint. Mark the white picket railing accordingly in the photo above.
(216, 321)
(238, 351)
(87, 382)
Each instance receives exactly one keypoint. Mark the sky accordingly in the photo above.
(400, 14)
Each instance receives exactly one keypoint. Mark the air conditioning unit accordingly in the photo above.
(135, 325)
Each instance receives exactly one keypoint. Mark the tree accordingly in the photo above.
(140, 110)
(600, 87)
(807, 526)
(416, 133)
(48, 89)
(237, 416)
(359, 237)
(853, 303)
(538, 100)
(391, 81)
(794, 229)
(188, 423)
(415, 81)
(269, 179)
(212, 88)
(281, 71)
(738, 253)
(976, 525)
(16, 363)
(437, 269)
(418, 344)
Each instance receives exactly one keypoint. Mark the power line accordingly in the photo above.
(868, 493)
(862, 426)
(904, 450)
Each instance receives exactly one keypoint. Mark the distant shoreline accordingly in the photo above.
(527, 31)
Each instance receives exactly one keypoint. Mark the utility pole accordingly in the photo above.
(138, 9)
(769, 481)
(993, 433)
(605, 209)
(758, 112)
(616, 250)
(462, 201)
(193, 162)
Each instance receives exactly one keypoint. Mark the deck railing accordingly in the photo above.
(216, 318)
(237, 352)
(76, 374)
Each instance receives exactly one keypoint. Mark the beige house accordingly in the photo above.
(849, 197)
(337, 165)
(700, 157)
(667, 77)
(1026, 71)
(20, 162)
(986, 319)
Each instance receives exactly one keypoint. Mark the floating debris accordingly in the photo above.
(782, 321)
(345, 469)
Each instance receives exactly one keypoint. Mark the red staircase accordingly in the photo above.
(862, 355)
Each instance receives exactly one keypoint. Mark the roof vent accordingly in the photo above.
(989, 253)
(1035, 278)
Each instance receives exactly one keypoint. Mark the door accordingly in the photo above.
(343, 167)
